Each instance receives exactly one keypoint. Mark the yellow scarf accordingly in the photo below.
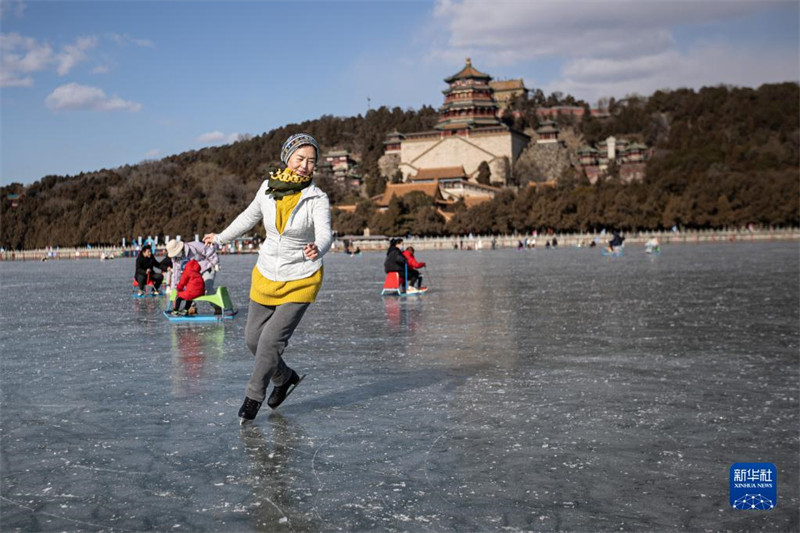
(284, 182)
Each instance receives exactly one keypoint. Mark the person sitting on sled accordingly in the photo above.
(615, 242)
(145, 270)
(180, 253)
(395, 261)
(189, 287)
(652, 245)
(414, 277)
(206, 256)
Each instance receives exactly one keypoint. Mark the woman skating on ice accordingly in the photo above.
(288, 274)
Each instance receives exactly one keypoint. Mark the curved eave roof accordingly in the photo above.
(484, 89)
(467, 104)
(459, 123)
(509, 85)
(468, 72)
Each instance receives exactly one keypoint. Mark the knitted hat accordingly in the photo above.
(174, 247)
(296, 141)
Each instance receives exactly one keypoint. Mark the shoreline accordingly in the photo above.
(465, 243)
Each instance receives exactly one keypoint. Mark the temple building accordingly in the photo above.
(549, 153)
(401, 189)
(467, 134)
(469, 102)
(630, 158)
(454, 184)
(446, 186)
(342, 168)
(547, 133)
(507, 90)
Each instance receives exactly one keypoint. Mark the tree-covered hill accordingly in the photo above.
(722, 156)
(192, 192)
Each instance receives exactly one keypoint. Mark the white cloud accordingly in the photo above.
(530, 30)
(603, 70)
(8, 79)
(75, 97)
(217, 137)
(22, 56)
(72, 54)
(124, 39)
(707, 65)
(610, 48)
(155, 153)
(14, 8)
(212, 137)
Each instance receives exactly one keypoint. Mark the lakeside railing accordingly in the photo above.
(463, 242)
(479, 242)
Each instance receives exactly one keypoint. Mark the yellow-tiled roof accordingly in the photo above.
(401, 189)
(439, 173)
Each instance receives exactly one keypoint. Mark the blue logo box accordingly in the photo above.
(754, 486)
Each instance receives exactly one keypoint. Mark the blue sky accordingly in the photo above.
(100, 84)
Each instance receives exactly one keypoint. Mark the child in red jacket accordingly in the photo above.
(189, 287)
(414, 279)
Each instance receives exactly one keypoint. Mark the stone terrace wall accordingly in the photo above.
(478, 242)
(551, 159)
(462, 242)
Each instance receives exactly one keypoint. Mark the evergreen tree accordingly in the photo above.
(484, 173)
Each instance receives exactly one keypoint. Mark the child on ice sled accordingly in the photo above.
(189, 287)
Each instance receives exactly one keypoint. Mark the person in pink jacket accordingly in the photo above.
(414, 277)
(189, 287)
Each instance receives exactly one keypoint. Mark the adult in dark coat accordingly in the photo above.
(395, 261)
(145, 268)
(615, 243)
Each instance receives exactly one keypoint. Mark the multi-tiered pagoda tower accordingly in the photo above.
(468, 133)
(469, 101)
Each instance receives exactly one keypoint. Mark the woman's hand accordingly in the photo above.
(311, 251)
(208, 238)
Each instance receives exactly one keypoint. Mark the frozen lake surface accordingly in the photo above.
(539, 390)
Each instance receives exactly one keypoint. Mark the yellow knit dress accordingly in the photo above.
(268, 292)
